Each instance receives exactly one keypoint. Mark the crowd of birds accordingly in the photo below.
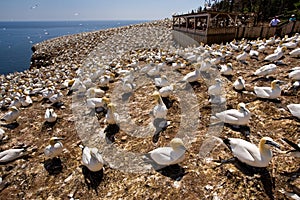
(20, 90)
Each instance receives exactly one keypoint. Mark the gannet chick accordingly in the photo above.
(239, 83)
(11, 116)
(272, 92)
(296, 151)
(265, 70)
(92, 159)
(239, 116)
(50, 115)
(215, 89)
(226, 69)
(10, 155)
(249, 153)
(160, 110)
(166, 156)
(294, 109)
(54, 149)
(111, 117)
(162, 81)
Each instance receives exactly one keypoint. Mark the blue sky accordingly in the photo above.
(40, 10)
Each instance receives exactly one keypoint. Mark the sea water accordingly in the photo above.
(17, 38)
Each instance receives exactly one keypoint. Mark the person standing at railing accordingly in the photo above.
(274, 22)
(292, 18)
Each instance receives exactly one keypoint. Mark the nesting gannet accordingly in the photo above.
(167, 90)
(192, 76)
(239, 116)
(96, 102)
(92, 159)
(160, 110)
(111, 117)
(95, 92)
(2, 134)
(239, 83)
(10, 155)
(265, 70)
(295, 75)
(11, 116)
(275, 56)
(162, 81)
(295, 53)
(16, 102)
(272, 92)
(294, 109)
(55, 98)
(249, 153)
(215, 89)
(26, 101)
(50, 115)
(242, 57)
(296, 151)
(54, 149)
(169, 155)
(226, 69)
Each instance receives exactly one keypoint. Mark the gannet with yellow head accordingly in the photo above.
(239, 116)
(55, 147)
(272, 92)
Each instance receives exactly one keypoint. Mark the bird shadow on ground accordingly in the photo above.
(292, 174)
(264, 79)
(92, 179)
(268, 100)
(110, 131)
(57, 104)
(245, 130)
(53, 166)
(265, 177)
(287, 117)
(174, 172)
(11, 126)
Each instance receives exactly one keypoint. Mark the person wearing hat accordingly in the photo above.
(293, 18)
(274, 22)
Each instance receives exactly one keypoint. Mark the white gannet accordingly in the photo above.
(10, 155)
(295, 53)
(26, 100)
(11, 116)
(226, 69)
(162, 81)
(167, 90)
(296, 148)
(295, 75)
(239, 116)
(2, 134)
(275, 56)
(169, 155)
(192, 76)
(54, 149)
(272, 92)
(95, 92)
(265, 70)
(92, 159)
(239, 83)
(215, 89)
(96, 102)
(16, 102)
(160, 110)
(55, 98)
(242, 57)
(249, 153)
(50, 115)
(111, 116)
(294, 109)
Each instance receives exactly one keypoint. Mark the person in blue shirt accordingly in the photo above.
(274, 22)
(293, 18)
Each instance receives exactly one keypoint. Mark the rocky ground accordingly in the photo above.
(197, 177)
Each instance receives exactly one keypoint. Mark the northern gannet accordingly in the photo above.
(295, 53)
(294, 109)
(10, 155)
(95, 92)
(215, 89)
(272, 92)
(265, 70)
(111, 116)
(275, 56)
(226, 69)
(249, 153)
(239, 83)
(296, 148)
(239, 116)
(25, 100)
(96, 102)
(160, 110)
(11, 116)
(92, 159)
(2, 134)
(166, 156)
(192, 76)
(295, 74)
(54, 149)
(162, 81)
(50, 115)
(167, 90)
(55, 98)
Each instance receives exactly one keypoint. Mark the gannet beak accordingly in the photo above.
(272, 143)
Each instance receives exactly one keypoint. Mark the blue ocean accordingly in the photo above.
(17, 38)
